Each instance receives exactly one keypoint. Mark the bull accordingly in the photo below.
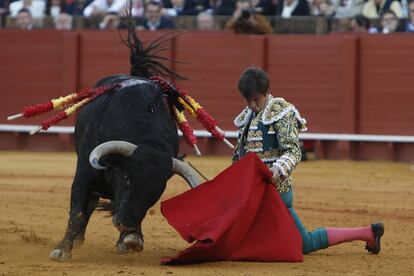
(127, 144)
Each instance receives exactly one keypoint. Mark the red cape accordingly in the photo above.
(236, 216)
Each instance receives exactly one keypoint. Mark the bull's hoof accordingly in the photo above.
(130, 243)
(134, 242)
(122, 248)
(60, 255)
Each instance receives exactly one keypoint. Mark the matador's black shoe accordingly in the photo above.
(378, 231)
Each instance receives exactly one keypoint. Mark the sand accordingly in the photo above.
(34, 205)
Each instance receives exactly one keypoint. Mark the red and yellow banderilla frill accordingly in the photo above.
(75, 101)
(71, 102)
(186, 130)
(195, 109)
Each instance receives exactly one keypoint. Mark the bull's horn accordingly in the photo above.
(186, 172)
(120, 147)
(126, 149)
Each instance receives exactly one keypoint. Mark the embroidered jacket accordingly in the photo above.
(273, 134)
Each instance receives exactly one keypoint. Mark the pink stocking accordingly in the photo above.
(340, 235)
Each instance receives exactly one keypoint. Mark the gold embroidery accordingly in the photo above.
(270, 149)
(252, 134)
(239, 121)
(255, 122)
(284, 186)
(275, 109)
(269, 154)
(254, 146)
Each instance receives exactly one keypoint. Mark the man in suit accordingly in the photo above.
(24, 20)
(154, 20)
(288, 8)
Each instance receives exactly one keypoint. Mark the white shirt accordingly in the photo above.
(37, 8)
(287, 10)
(118, 6)
(153, 26)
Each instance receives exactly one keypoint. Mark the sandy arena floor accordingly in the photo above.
(34, 202)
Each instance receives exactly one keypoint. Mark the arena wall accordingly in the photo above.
(342, 84)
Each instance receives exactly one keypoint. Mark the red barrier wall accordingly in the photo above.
(340, 83)
(215, 62)
(33, 68)
(317, 73)
(386, 90)
(386, 94)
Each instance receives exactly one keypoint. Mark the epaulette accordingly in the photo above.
(243, 117)
(277, 108)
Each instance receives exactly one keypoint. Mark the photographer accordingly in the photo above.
(246, 20)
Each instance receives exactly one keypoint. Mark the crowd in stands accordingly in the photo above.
(242, 16)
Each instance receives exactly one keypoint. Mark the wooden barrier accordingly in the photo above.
(340, 83)
(386, 94)
(35, 67)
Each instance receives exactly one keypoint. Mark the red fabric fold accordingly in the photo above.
(236, 216)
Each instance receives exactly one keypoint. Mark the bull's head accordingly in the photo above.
(137, 175)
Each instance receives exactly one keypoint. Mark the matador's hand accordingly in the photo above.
(276, 174)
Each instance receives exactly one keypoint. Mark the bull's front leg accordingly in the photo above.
(130, 240)
(80, 237)
(63, 250)
(83, 202)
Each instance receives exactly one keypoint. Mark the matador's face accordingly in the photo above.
(258, 102)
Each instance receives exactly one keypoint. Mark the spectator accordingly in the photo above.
(410, 23)
(111, 21)
(360, 24)
(389, 22)
(184, 7)
(173, 8)
(4, 7)
(154, 20)
(138, 8)
(76, 7)
(194, 7)
(322, 8)
(288, 8)
(24, 20)
(227, 7)
(35, 7)
(205, 21)
(223, 7)
(404, 8)
(265, 7)
(246, 21)
(102, 7)
(63, 21)
(373, 8)
(54, 7)
(348, 8)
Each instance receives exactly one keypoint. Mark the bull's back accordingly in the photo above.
(135, 113)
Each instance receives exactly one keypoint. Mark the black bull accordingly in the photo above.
(126, 141)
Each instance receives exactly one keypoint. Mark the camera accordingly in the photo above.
(245, 14)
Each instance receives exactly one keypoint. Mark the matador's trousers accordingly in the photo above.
(312, 241)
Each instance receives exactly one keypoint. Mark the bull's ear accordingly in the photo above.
(112, 160)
